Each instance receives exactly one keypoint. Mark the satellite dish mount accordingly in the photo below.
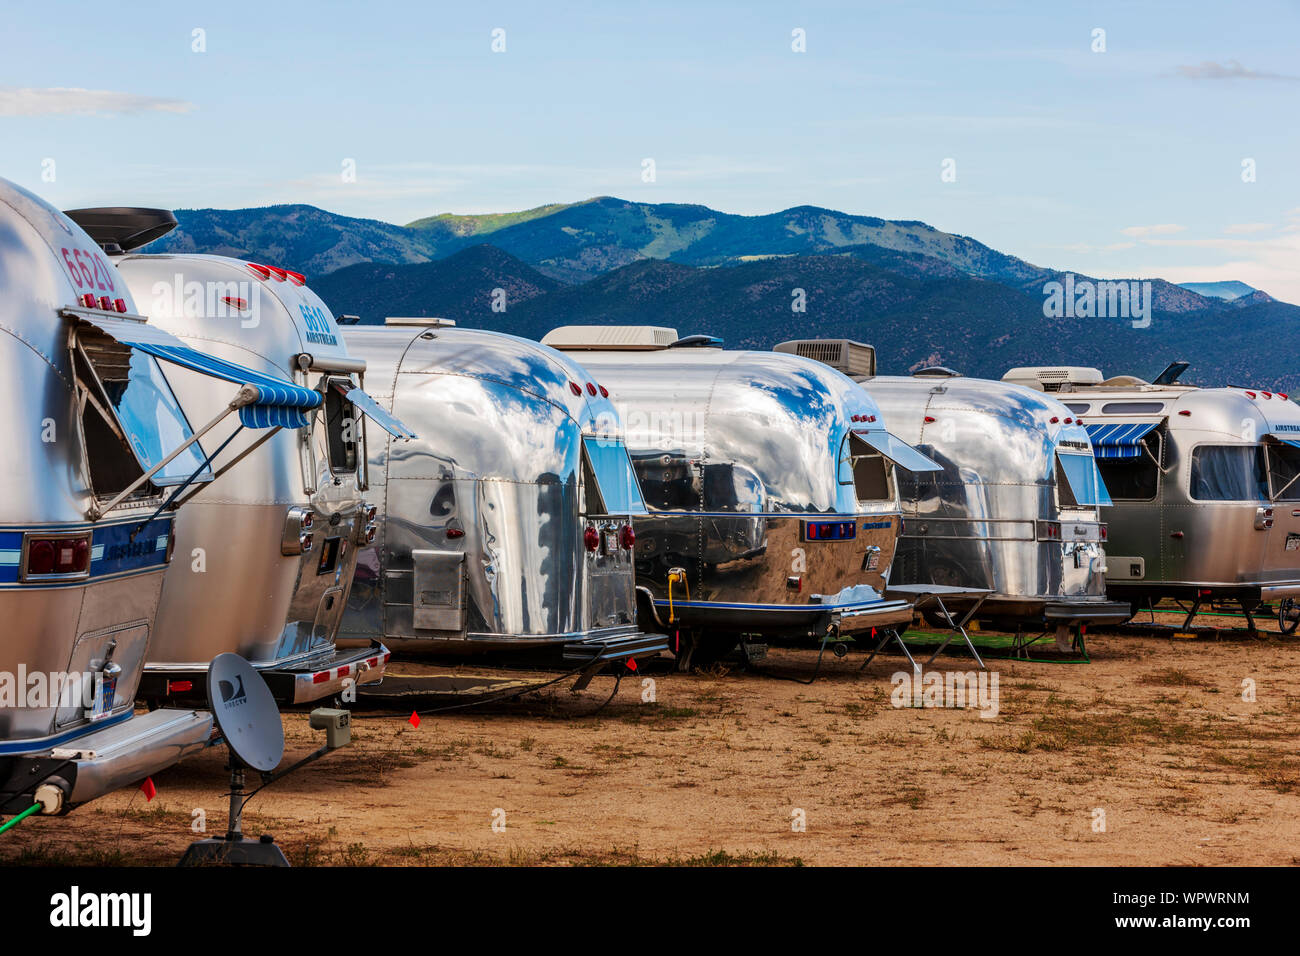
(249, 721)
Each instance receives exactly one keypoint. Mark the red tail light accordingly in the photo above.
(119, 304)
(88, 300)
(574, 388)
(591, 389)
(1104, 533)
(591, 538)
(929, 420)
(627, 538)
(604, 392)
(70, 555)
(262, 272)
(1049, 531)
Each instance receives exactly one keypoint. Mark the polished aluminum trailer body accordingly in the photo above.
(772, 510)
(1016, 507)
(79, 582)
(242, 583)
(508, 524)
(1203, 480)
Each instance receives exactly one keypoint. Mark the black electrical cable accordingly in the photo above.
(508, 695)
(799, 680)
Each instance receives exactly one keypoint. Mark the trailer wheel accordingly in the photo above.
(1288, 615)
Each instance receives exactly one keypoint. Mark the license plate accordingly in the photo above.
(105, 691)
(611, 542)
(873, 561)
(1293, 542)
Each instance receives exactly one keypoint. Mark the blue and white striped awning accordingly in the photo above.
(1118, 439)
(276, 400)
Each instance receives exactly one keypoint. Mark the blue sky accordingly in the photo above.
(1126, 162)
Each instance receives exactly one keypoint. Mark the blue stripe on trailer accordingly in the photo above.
(113, 552)
(1119, 439)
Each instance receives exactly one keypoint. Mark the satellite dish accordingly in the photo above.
(245, 713)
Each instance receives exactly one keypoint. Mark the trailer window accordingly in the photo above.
(1229, 473)
(1284, 472)
(870, 472)
(1078, 482)
(610, 483)
(342, 430)
(130, 418)
(1136, 478)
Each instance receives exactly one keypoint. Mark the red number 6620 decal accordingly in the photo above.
(81, 273)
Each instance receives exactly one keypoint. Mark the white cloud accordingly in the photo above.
(1142, 232)
(1267, 264)
(74, 101)
(1246, 228)
(1231, 70)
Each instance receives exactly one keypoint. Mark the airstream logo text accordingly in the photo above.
(1086, 299)
(956, 689)
(40, 690)
(216, 300)
(318, 326)
(133, 911)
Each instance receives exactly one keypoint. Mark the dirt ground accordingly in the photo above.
(721, 767)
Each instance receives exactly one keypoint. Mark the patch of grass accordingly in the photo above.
(1172, 677)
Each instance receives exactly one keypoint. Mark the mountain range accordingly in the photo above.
(920, 295)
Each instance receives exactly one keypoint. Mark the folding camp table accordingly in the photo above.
(921, 594)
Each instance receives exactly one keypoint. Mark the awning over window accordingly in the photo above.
(1294, 442)
(897, 451)
(1119, 439)
(269, 400)
(374, 411)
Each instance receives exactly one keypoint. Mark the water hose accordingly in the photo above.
(34, 808)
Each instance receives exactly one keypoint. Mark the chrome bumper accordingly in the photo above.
(104, 760)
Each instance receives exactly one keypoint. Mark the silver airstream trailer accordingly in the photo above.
(100, 451)
(266, 554)
(511, 527)
(1204, 483)
(769, 480)
(1015, 508)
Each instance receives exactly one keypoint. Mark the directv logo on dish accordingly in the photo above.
(74, 909)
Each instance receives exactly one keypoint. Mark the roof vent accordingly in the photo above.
(611, 337)
(936, 371)
(1053, 378)
(123, 227)
(424, 321)
(854, 359)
